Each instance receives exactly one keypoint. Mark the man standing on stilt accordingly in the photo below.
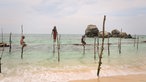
(55, 36)
(55, 33)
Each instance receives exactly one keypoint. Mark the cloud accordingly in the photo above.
(57, 8)
(39, 16)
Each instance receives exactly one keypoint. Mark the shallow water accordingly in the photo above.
(40, 65)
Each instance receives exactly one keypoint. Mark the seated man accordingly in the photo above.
(83, 40)
(22, 41)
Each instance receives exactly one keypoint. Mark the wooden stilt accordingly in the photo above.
(83, 43)
(1, 53)
(0, 65)
(21, 30)
(83, 49)
(137, 42)
(94, 48)
(10, 42)
(22, 45)
(58, 45)
(1, 59)
(98, 46)
(108, 46)
(2, 34)
(53, 48)
(102, 48)
(119, 45)
(22, 52)
(134, 40)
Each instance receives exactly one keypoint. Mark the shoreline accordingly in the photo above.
(123, 78)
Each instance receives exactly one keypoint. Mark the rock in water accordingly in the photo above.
(115, 33)
(129, 36)
(106, 34)
(123, 35)
(91, 31)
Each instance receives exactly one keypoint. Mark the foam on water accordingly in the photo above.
(30, 73)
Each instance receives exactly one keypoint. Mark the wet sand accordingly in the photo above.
(126, 78)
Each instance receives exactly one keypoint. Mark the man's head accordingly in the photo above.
(23, 37)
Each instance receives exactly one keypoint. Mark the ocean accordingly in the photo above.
(39, 64)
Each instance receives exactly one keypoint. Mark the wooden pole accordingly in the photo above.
(10, 42)
(2, 34)
(1, 53)
(21, 52)
(108, 46)
(21, 30)
(94, 48)
(134, 40)
(102, 48)
(137, 41)
(22, 45)
(1, 60)
(119, 45)
(0, 65)
(83, 43)
(58, 45)
(98, 45)
(83, 49)
(121, 41)
(53, 48)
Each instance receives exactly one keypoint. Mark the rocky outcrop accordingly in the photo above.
(106, 34)
(115, 33)
(123, 34)
(91, 31)
(129, 36)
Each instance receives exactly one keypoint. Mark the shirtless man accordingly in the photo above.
(83, 40)
(22, 41)
(55, 33)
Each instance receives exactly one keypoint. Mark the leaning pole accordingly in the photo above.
(102, 48)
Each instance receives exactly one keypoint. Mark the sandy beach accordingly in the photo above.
(126, 78)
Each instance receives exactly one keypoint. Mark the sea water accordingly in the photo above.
(39, 64)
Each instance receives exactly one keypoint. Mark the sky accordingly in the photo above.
(72, 16)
